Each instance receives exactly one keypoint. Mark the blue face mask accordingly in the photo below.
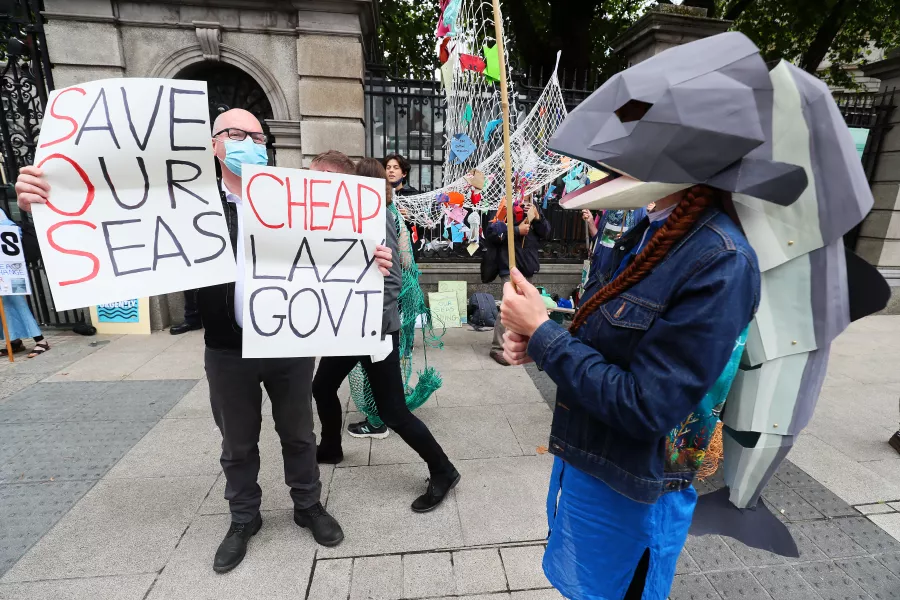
(244, 152)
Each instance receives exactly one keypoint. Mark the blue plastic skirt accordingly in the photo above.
(598, 536)
(19, 319)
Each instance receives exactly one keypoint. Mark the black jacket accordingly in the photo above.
(527, 260)
(216, 302)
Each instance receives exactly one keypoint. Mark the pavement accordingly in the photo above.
(110, 487)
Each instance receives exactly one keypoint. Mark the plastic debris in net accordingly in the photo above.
(413, 311)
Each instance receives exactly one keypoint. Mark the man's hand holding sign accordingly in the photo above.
(135, 209)
(312, 286)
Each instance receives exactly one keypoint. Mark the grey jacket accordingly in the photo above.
(390, 317)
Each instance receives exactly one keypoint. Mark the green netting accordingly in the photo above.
(412, 310)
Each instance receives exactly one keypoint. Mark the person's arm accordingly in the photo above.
(393, 278)
(540, 226)
(676, 362)
(590, 222)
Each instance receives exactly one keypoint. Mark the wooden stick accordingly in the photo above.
(9, 349)
(507, 155)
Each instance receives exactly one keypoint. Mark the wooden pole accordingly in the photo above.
(9, 349)
(507, 155)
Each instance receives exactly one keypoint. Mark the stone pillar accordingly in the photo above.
(330, 67)
(83, 41)
(665, 26)
(879, 241)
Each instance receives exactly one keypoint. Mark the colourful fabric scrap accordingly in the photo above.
(444, 51)
(492, 64)
(472, 63)
(490, 127)
(457, 199)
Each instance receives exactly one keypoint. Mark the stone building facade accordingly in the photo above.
(307, 56)
(298, 64)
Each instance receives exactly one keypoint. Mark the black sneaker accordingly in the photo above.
(364, 429)
(233, 548)
(324, 527)
(438, 488)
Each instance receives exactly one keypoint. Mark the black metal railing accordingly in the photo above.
(872, 111)
(25, 82)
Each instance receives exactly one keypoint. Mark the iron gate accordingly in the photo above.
(25, 81)
(872, 111)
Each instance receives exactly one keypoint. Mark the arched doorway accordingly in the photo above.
(230, 87)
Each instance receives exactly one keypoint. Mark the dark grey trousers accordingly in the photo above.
(236, 398)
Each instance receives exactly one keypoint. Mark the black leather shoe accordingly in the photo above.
(184, 328)
(438, 488)
(324, 527)
(329, 454)
(233, 548)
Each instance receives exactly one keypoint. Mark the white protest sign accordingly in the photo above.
(311, 285)
(13, 272)
(134, 207)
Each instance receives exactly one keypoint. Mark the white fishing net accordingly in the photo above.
(474, 109)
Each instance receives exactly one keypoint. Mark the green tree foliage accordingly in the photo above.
(807, 32)
(406, 37)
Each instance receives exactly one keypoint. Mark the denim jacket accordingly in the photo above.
(642, 362)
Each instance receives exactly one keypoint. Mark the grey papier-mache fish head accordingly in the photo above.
(696, 113)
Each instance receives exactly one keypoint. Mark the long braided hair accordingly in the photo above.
(677, 225)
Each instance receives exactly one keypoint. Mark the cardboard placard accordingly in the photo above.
(126, 316)
(444, 308)
(134, 208)
(462, 299)
(311, 285)
(13, 271)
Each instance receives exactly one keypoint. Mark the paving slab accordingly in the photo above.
(692, 587)
(513, 387)
(830, 539)
(478, 571)
(737, 584)
(848, 479)
(135, 400)
(119, 587)
(156, 342)
(503, 500)
(331, 579)
(872, 576)
(782, 582)
(826, 502)
(75, 451)
(549, 594)
(191, 342)
(891, 562)
(103, 366)
(12, 383)
(120, 527)
(711, 553)
(524, 567)
(277, 566)
(451, 358)
(377, 578)
(875, 509)
(372, 504)
(889, 523)
(17, 437)
(868, 535)
(464, 432)
(790, 504)
(173, 448)
(58, 359)
(531, 424)
(753, 557)
(830, 582)
(28, 510)
(49, 402)
(195, 404)
(686, 565)
(428, 574)
(171, 365)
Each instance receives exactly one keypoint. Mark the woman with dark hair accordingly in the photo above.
(645, 353)
(385, 379)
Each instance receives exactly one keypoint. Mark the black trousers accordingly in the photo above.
(191, 311)
(236, 398)
(386, 381)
